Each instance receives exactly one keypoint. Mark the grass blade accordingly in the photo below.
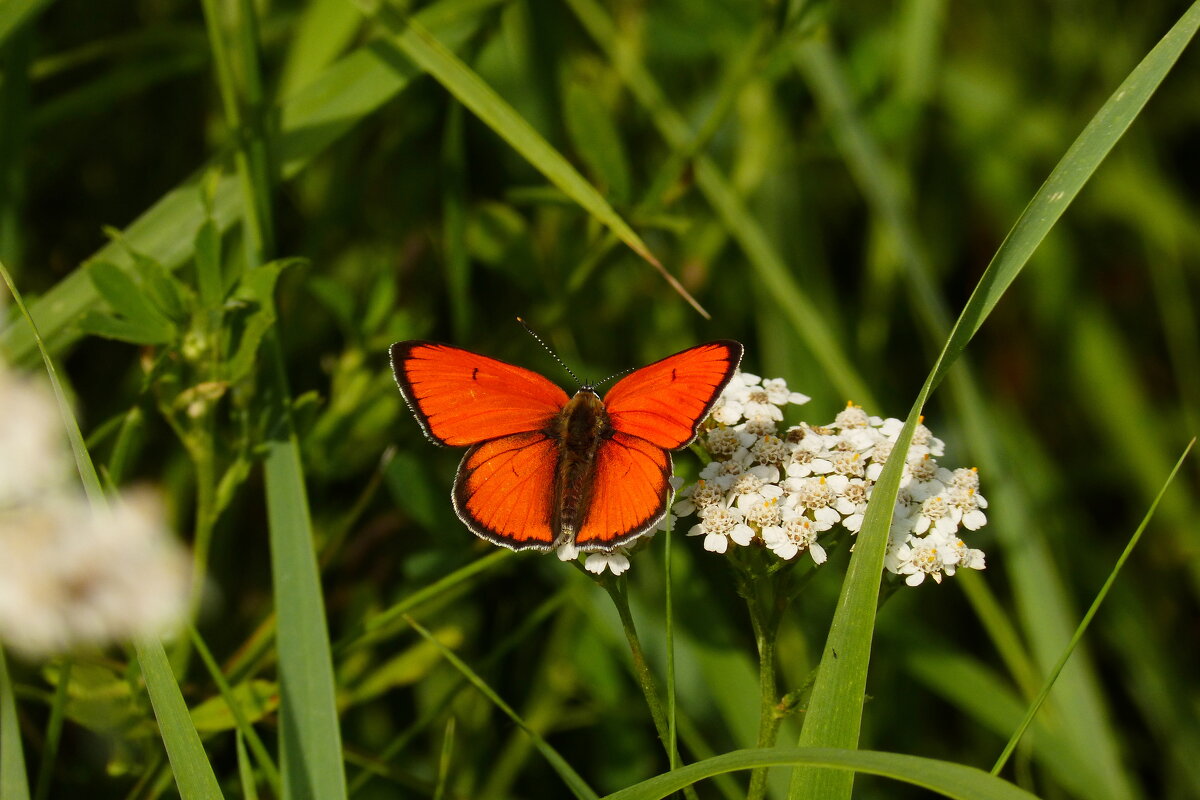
(570, 777)
(946, 778)
(245, 730)
(805, 316)
(83, 461)
(14, 781)
(310, 740)
(424, 49)
(193, 774)
(1087, 618)
(15, 13)
(834, 714)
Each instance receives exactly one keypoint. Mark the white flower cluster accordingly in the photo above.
(785, 491)
(71, 577)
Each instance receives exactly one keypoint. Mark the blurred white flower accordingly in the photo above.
(33, 449)
(73, 577)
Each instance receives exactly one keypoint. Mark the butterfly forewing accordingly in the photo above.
(462, 398)
(665, 402)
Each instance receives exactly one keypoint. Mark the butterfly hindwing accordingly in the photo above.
(462, 398)
(504, 490)
(629, 492)
(665, 402)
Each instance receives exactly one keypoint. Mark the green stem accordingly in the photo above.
(53, 731)
(672, 732)
(618, 590)
(203, 458)
(766, 601)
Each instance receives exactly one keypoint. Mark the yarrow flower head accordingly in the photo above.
(789, 491)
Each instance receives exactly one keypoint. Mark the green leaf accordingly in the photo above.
(256, 290)
(139, 320)
(98, 697)
(193, 774)
(310, 741)
(255, 699)
(834, 713)
(944, 777)
(105, 326)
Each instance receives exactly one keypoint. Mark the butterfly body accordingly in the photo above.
(545, 469)
(581, 428)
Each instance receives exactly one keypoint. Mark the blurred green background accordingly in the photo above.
(829, 180)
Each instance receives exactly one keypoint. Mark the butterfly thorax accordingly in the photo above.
(580, 428)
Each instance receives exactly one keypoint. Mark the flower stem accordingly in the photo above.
(618, 590)
(766, 602)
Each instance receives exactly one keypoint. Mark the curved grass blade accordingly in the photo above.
(804, 314)
(834, 714)
(193, 774)
(1046, 617)
(946, 778)
(1087, 619)
(83, 461)
(423, 49)
(570, 777)
(15, 13)
(14, 780)
(245, 731)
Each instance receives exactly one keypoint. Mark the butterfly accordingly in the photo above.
(545, 469)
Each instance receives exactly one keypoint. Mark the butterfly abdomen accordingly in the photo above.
(580, 428)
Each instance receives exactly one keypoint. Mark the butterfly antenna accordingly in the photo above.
(610, 377)
(553, 354)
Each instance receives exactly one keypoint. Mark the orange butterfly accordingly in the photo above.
(545, 469)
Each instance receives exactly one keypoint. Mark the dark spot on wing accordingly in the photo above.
(474, 372)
